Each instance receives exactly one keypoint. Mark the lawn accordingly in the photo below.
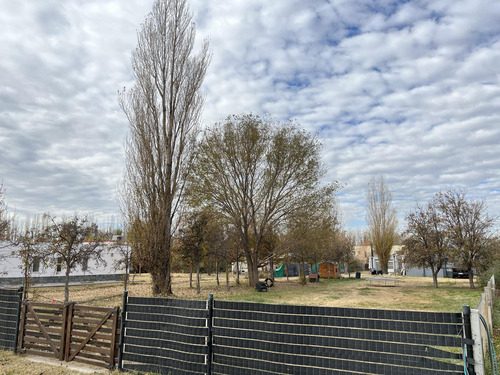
(414, 293)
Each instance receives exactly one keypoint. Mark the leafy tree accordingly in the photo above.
(163, 109)
(256, 172)
(218, 243)
(193, 242)
(73, 241)
(381, 220)
(469, 228)
(426, 242)
(309, 233)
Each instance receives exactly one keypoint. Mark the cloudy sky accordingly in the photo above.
(405, 89)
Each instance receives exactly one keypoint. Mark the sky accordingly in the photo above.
(405, 89)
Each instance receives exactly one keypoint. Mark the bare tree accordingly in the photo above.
(309, 233)
(163, 108)
(30, 249)
(381, 220)
(124, 251)
(469, 228)
(341, 248)
(256, 172)
(4, 219)
(73, 241)
(426, 242)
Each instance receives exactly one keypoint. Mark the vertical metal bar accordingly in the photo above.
(210, 306)
(468, 339)
(477, 334)
(18, 320)
(122, 330)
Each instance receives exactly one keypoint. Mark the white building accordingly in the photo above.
(42, 273)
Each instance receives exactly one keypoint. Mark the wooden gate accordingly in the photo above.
(70, 332)
(92, 335)
(42, 329)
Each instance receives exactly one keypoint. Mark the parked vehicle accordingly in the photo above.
(459, 274)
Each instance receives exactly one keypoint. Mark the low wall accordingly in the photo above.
(483, 309)
(59, 280)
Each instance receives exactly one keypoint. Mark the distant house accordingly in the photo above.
(365, 256)
(11, 269)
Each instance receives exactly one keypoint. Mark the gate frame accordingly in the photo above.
(64, 352)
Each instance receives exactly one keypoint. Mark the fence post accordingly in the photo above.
(66, 331)
(468, 340)
(477, 334)
(18, 321)
(122, 329)
(23, 321)
(210, 305)
(112, 352)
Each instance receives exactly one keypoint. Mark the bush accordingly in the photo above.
(494, 269)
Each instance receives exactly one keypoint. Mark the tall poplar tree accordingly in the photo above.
(163, 108)
(381, 220)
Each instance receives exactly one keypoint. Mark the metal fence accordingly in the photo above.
(176, 336)
(166, 336)
(279, 339)
(10, 305)
(220, 337)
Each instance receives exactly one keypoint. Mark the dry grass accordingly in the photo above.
(414, 293)
(11, 364)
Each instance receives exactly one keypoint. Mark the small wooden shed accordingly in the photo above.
(334, 270)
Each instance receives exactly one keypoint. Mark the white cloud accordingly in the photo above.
(407, 90)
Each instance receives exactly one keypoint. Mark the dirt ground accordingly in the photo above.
(11, 364)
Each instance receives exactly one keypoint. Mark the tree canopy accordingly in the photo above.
(257, 172)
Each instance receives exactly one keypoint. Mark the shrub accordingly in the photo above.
(494, 269)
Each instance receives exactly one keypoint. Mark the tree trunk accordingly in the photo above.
(383, 259)
(217, 272)
(126, 274)
(26, 283)
(209, 268)
(435, 276)
(253, 271)
(66, 284)
(161, 281)
(471, 278)
(227, 275)
(286, 270)
(198, 289)
(237, 272)
(271, 266)
(191, 275)
(328, 270)
(302, 272)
